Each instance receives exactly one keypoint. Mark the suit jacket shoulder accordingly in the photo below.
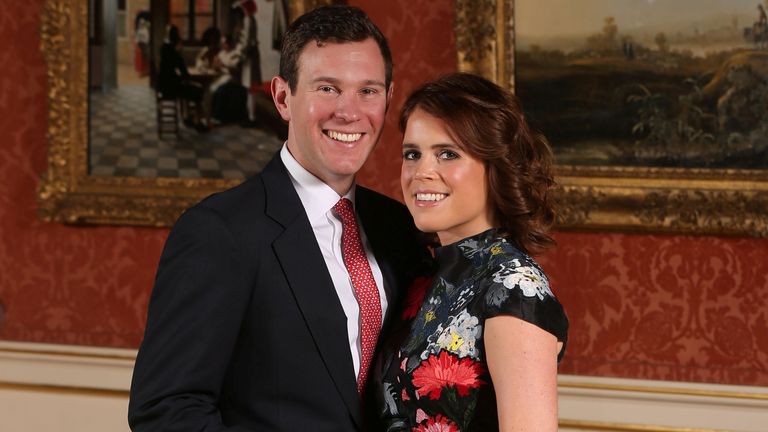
(265, 201)
(246, 198)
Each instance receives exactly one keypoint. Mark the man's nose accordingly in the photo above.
(348, 107)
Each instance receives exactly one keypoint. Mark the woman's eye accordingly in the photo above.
(411, 155)
(448, 155)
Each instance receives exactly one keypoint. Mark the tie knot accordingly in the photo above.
(344, 210)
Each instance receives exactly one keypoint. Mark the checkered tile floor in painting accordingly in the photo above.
(124, 142)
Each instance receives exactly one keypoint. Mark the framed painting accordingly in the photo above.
(657, 112)
(121, 150)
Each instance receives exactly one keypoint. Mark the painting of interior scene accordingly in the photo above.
(652, 83)
(180, 88)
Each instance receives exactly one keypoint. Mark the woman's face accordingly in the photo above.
(444, 187)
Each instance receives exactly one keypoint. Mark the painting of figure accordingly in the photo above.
(180, 88)
(646, 83)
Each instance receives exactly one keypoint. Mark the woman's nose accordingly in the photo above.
(425, 170)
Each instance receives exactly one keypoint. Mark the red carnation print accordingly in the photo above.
(421, 416)
(445, 370)
(437, 424)
(415, 296)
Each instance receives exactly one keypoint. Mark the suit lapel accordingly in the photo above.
(304, 267)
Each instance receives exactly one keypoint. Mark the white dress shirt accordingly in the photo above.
(318, 199)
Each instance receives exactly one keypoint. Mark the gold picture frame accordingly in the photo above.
(660, 200)
(67, 193)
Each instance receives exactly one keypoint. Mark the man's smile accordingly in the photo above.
(341, 136)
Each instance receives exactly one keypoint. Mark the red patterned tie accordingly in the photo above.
(365, 286)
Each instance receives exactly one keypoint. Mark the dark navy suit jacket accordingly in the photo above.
(245, 331)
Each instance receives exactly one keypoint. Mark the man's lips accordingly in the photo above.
(343, 136)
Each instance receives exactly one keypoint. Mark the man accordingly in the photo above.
(262, 318)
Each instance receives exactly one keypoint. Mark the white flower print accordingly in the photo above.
(470, 248)
(529, 279)
(465, 295)
(459, 336)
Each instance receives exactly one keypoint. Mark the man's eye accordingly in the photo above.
(411, 155)
(326, 89)
(448, 155)
(368, 91)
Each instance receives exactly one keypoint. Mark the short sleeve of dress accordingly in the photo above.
(518, 287)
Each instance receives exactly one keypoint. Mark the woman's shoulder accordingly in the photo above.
(514, 284)
(516, 270)
(499, 261)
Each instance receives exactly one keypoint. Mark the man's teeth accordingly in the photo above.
(430, 196)
(338, 136)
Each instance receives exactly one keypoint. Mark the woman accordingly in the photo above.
(141, 28)
(481, 353)
(205, 61)
(229, 97)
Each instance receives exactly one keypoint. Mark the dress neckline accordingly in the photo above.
(448, 253)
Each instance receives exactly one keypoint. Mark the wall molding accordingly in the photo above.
(64, 388)
(65, 367)
(663, 387)
(629, 405)
(54, 377)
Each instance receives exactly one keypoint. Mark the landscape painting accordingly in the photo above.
(646, 83)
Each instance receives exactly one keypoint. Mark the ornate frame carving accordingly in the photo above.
(671, 200)
(67, 193)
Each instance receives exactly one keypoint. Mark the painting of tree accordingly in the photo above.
(646, 83)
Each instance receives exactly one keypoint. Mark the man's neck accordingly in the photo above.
(341, 187)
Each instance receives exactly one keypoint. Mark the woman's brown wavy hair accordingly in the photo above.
(488, 123)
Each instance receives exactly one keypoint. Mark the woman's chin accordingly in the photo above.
(426, 227)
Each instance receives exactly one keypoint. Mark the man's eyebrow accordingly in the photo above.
(336, 81)
(325, 79)
(374, 83)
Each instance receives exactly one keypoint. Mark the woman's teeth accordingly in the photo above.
(430, 196)
(344, 137)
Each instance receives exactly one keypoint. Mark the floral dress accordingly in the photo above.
(433, 377)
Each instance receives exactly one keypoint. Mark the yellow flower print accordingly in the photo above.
(456, 342)
(429, 316)
(496, 250)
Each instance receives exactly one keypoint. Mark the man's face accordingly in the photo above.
(337, 111)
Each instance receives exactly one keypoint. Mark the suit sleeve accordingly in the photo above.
(195, 311)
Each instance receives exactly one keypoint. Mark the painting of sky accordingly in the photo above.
(550, 23)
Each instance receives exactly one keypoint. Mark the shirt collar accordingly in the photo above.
(317, 197)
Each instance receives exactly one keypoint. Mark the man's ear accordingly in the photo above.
(390, 92)
(281, 96)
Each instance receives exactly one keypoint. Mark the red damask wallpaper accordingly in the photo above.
(641, 306)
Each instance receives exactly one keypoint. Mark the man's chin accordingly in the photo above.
(349, 164)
